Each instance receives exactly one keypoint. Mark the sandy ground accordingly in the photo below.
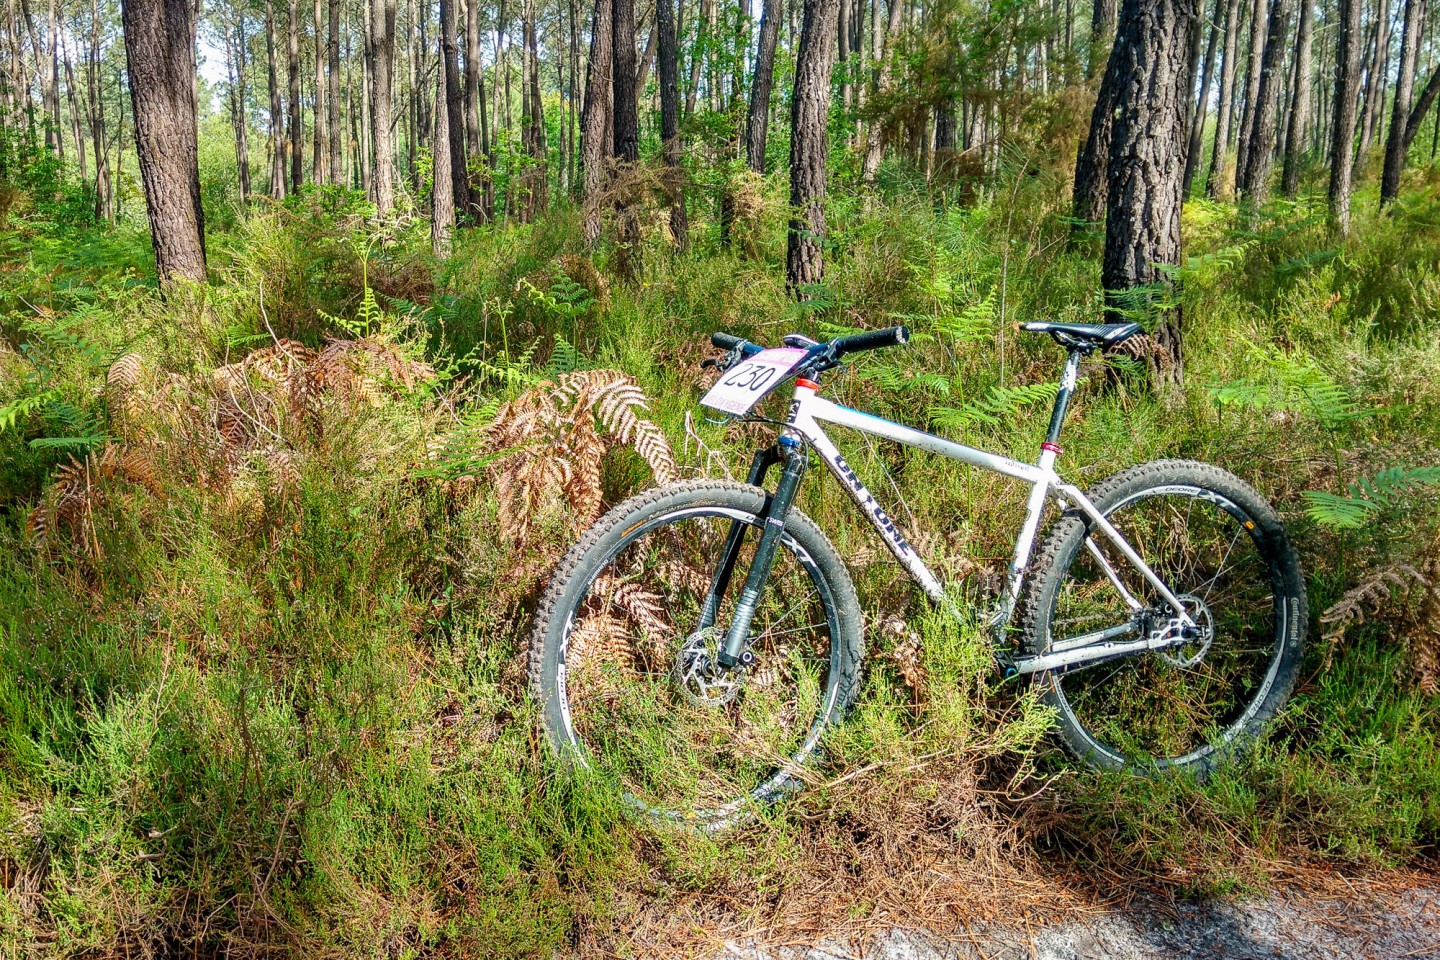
(1397, 925)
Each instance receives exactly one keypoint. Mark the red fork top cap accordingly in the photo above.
(802, 382)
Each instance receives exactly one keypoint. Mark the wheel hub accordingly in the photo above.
(698, 674)
(1186, 645)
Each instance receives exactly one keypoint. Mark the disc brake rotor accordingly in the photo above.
(1190, 652)
(698, 674)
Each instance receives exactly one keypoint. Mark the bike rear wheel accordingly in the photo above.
(1224, 552)
(622, 653)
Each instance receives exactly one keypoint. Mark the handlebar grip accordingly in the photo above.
(875, 339)
(725, 341)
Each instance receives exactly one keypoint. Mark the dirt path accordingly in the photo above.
(1402, 924)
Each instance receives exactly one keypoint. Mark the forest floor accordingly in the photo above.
(1397, 917)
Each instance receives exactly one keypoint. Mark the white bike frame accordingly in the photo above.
(808, 410)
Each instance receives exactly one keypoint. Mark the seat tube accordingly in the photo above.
(1049, 451)
(796, 460)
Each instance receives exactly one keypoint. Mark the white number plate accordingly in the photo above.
(747, 383)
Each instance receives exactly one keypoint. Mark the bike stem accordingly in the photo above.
(796, 460)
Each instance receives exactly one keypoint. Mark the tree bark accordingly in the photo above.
(534, 140)
(337, 139)
(1347, 88)
(1300, 104)
(1150, 63)
(442, 192)
(1088, 196)
(235, 69)
(1254, 176)
(319, 167)
(297, 129)
(1207, 79)
(1102, 34)
(1259, 23)
(1398, 142)
(474, 103)
(875, 135)
(382, 43)
(597, 133)
(1224, 117)
(277, 108)
(453, 144)
(668, 70)
(757, 121)
(809, 143)
(1376, 77)
(625, 112)
(160, 51)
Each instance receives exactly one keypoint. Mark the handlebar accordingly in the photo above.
(826, 352)
(874, 340)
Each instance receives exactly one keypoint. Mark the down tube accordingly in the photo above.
(889, 533)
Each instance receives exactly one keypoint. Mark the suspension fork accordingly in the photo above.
(720, 581)
(777, 509)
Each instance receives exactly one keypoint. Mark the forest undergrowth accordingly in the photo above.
(269, 549)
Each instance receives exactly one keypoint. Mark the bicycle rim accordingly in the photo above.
(637, 705)
(1177, 706)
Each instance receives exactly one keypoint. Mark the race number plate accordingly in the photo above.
(747, 383)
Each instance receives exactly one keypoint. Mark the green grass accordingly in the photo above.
(295, 722)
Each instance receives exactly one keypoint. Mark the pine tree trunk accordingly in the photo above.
(1259, 23)
(875, 135)
(1207, 78)
(319, 167)
(1300, 105)
(1224, 114)
(235, 70)
(442, 193)
(159, 48)
(1102, 34)
(671, 148)
(1147, 163)
(277, 112)
(1347, 89)
(809, 143)
(1088, 196)
(474, 103)
(627, 136)
(1398, 142)
(597, 132)
(76, 129)
(454, 142)
(1253, 178)
(535, 179)
(757, 121)
(337, 139)
(297, 130)
(1376, 77)
(382, 31)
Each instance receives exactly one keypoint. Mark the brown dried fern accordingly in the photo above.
(1406, 596)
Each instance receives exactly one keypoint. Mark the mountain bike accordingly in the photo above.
(697, 643)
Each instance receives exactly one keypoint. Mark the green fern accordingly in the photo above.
(895, 380)
(994, 407)
(1368, 496)
(564, 357)
(1294, 384)
(20, 409)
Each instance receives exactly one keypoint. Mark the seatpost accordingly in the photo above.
(1062, 400)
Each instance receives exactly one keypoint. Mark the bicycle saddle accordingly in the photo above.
(1085, 336)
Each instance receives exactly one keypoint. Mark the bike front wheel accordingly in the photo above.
(623, 655)
(1223, 551)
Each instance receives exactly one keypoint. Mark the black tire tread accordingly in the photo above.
(1030, 612)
